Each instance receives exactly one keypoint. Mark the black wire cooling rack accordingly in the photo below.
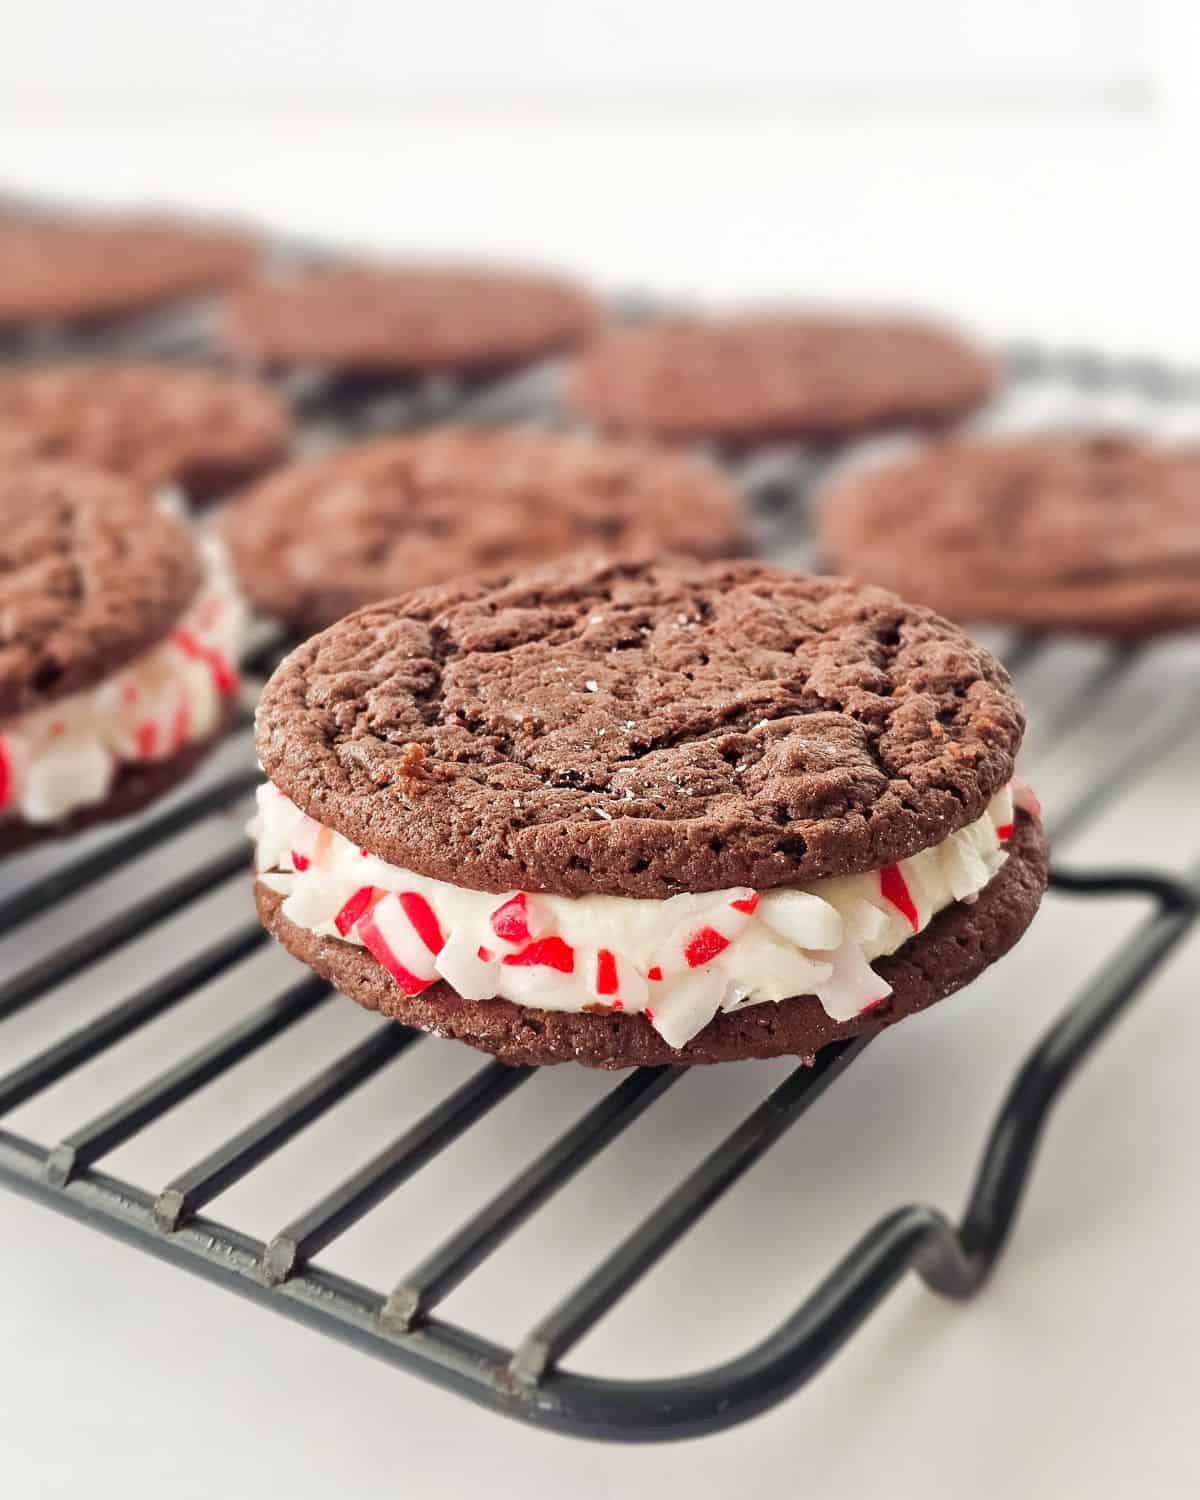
(400, 1323)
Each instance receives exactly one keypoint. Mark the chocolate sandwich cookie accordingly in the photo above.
(83, 269)
(118, 640)
(1067, 532)
(406, 319)
(321, 538)
(756, 378)
(626, 813)
(159, 424)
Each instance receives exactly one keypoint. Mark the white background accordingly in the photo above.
(1028, 167)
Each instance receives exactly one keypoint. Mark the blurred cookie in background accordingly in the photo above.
(200, 429)
(406, 319)
(321, 538)
(85, 268)
(767, 376)
(119, 634)
(1094, 533)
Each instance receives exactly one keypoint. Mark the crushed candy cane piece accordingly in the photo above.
(354, 908)
(894, 888)
(606, 973)
(703, 946)
(548, 952)
(420, 914)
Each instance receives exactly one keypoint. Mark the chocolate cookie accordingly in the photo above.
(627, 812)
(117, 646)
(1049, 533)
(406, 319)
(756, 378)
(82, 269)
(317, 540)
(160, 424)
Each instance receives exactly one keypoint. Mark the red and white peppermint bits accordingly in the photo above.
(355, 907)
(224, 676)
(618, 982)
(519, 920)
(894, 889)
(402, 934)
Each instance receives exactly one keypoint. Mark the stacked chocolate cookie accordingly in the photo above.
(628, 813)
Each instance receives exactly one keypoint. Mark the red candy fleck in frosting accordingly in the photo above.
(648, 1013)
(420, 914)
(703, 946)
(895, 889)
(746, 903)
(147, 739)
(510, 922)
(1004, 831)
(225, 679)
(299, 861)
(484, 955)
(655, 973)
(551, 952)
(377, 945)
(354, 908)
(606, 972)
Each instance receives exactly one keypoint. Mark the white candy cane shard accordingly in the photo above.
(802, 918)
(463, 970)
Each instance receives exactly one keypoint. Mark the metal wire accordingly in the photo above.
(402, 1326)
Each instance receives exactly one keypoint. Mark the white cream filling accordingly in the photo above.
(66, 756)
(678, 961)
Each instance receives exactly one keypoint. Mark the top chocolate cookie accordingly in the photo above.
(1067, 532)
(85, 268)
(159, 424)
(321, 538)
(754, 378)
(641, 729)
(91, 575)
(406, 319)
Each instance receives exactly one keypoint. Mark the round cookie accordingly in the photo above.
(406, 319)
(314, 541)
(81, 269)
(117, 635)
(1094, 533)
(661, 736)
(202, 429)
(769, 376)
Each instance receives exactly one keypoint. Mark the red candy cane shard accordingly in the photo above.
(894, 888)
(181, 726)
(655, 973)
(484, 955)
(300, 862)
(225, 679)
(648, 1013)
(606, 973)
(376, 944)
(420, 914)
(870, 1005)
(703, 946)
(147, 739)
(746, 904)
(618, 1005)
(510, 922)
(359, 903)
(1004, 831)
(551, 952)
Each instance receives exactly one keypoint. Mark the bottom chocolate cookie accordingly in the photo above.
(136, 786)
(954, 949)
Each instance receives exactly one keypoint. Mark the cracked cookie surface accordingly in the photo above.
(641, 729)
(319, 539)
(91, 575)
(1057, 533)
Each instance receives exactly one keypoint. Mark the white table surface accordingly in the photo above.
(1075, 1374)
